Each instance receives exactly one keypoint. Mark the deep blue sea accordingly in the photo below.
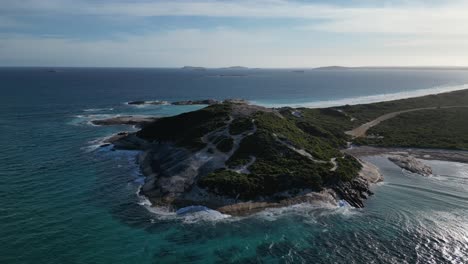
(63, 200)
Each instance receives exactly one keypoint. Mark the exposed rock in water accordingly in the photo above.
(411, 164)
(157, 102)
(354, 191)
(125, 120)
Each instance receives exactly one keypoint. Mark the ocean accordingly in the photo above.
(65, 200)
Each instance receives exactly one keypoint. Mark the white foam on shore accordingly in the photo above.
(80, 120)
(370, 98)
(165, 213)
(94, 144)
(310, 211)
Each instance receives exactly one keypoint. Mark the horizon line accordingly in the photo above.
(241, 67)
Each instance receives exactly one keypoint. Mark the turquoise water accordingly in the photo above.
(63, 200)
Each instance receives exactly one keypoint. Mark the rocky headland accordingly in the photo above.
(239, 158)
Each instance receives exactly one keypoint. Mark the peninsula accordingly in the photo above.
(239, 158)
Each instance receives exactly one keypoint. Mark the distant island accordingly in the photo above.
(332, 68)
(194, 68)
(239, 158)
(198, 68)
(391, 68)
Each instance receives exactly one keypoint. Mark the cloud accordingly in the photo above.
(172, 48)
(392, 34)
(448, 18)
(220, 47)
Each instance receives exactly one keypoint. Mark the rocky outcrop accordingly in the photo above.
(411, 164)
(327, 196)
(184, 166)
(128, 141)
(157, 102)
(354, 191)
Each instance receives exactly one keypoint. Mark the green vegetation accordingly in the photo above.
(293, 148)
(278, 168)
(225, 145)
(438, 128)
(231, 184)
(187, 129)
(367, 112)
(348, 168)
(240, 125)
(287, 129)
(326, 123)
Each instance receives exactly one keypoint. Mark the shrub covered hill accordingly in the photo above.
(231, 153)
(232, 156)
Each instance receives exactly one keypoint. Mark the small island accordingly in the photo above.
(194, 68)
(239, 158)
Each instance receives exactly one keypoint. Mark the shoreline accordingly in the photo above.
(368, 99)
(419, 153)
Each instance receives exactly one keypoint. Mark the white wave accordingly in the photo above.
(86, 119)
(95, 144)
(307, 210)
(370, 98)
(165, 213)
(203, 216)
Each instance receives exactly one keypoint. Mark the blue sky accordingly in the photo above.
(256, 33)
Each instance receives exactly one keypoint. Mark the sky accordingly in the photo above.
(255, 33)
